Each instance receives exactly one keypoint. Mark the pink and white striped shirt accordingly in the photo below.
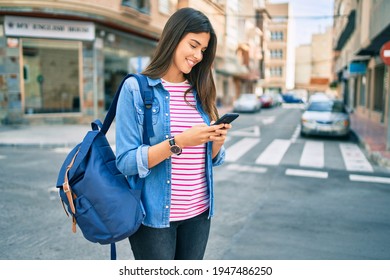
(189, 194)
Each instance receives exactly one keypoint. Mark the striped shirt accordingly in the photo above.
(189, 194)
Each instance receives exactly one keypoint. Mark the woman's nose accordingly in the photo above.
(198, 54)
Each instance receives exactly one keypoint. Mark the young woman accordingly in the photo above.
(178, 196)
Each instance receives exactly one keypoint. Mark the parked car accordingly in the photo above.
(325, 117)
(291, 98)
(247, 102)
(267, 101)
(278, 99)
(319, 96)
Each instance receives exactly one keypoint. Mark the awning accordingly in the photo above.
(374, 47)
(347, 32)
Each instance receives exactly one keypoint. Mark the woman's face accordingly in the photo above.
(189, 52)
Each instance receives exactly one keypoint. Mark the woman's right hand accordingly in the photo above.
(197, 135)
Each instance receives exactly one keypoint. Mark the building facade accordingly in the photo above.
(278, 54)
(361, 28)
(314, 64)
(62, 60)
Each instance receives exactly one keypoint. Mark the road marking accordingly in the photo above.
(274, 153)
(268, 120)
(238, 149)
(313, 154)
(246, 168)
(354, 158)
(306, 173)
(370, 179)
(62, 150)
(253, 131)
(295, 135)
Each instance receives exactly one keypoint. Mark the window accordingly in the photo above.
(142, 6)
(276, 71)
(51, 76)
(277, 54)
(362, 98)
(277, 36)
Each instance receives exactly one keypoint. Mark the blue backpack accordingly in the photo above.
(96, 194)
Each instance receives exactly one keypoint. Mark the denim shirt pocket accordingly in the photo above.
(140, 108)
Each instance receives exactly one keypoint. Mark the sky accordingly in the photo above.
(311, 16)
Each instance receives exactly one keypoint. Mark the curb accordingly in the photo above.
(374, 156)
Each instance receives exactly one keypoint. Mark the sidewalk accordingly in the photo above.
(371, 136)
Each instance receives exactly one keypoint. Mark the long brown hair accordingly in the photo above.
(183, 21)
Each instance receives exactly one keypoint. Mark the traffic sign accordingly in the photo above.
(385, 53)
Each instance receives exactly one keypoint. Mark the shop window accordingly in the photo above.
(379, 95)
(362, 99)
(130, 55)
(51, 76)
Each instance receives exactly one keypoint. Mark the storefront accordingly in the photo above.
(63, 71)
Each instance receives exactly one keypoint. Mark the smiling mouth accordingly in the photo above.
(191, 63)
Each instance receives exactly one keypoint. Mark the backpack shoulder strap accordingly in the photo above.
(147, 96)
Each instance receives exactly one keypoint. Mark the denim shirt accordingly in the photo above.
(132, 153)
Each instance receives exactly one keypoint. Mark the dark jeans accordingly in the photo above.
(183, 240)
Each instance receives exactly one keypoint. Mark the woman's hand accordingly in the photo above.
(220, 138)
(200, 134)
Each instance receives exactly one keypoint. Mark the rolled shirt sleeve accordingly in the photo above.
(131, 153)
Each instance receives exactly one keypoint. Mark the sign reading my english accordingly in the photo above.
(48, 28)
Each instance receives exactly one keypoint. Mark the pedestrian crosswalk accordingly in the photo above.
(313, 154)
(240, 148)
(274, 153)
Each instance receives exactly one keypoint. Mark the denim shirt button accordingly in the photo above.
(168, 181)
(166, 114)
(167, 136)
(167, 206)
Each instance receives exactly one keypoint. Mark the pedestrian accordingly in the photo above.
(178, 196)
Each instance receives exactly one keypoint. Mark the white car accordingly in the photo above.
(325, 117)
(247, 102)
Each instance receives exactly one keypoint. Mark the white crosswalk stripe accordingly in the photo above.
(238, 149)
(274, 153)
(313, 154)
(354, 158)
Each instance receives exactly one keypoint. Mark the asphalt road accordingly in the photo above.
(267, 207)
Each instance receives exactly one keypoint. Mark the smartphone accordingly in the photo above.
(227, 118)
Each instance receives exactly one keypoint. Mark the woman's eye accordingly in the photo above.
(192, 46)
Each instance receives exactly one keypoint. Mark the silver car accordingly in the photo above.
(247, 102)
(325, 117)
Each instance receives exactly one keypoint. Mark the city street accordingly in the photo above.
(278, 196)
